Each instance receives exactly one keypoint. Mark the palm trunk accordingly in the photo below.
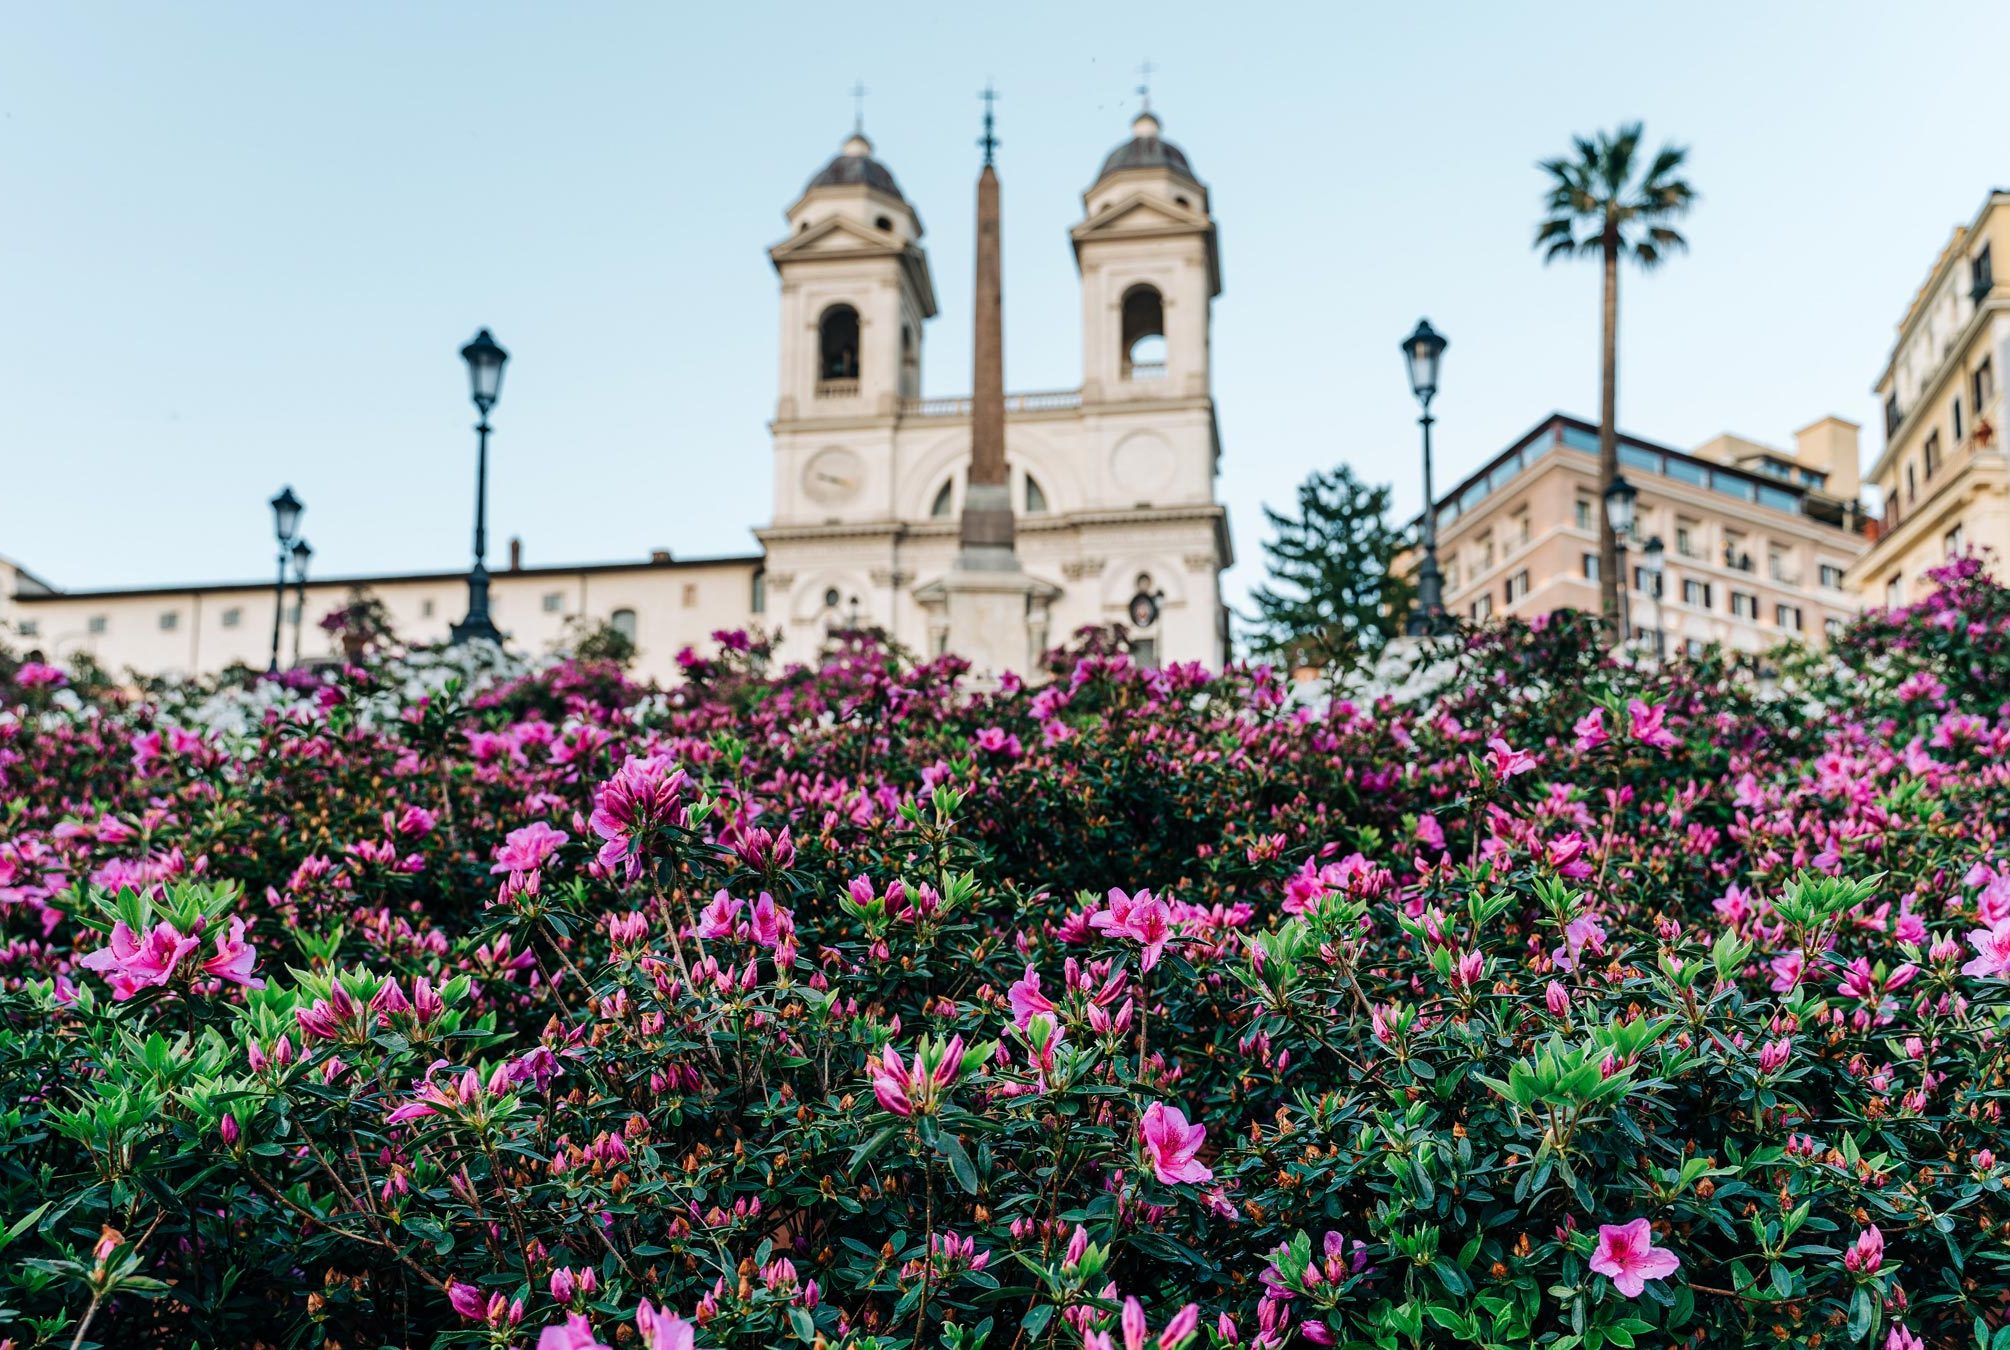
(1608, 439)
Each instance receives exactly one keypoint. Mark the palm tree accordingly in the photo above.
(1598, 207)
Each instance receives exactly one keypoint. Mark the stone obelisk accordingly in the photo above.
(990, 598)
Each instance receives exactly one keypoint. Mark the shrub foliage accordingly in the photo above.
(1575, 1004)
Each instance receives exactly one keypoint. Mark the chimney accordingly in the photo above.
(515, 553)
(1830, 446)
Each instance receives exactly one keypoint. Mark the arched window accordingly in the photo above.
(757, 601)
(837, 334)
(622, 621)
(1144, 337)
(940, 507)
(1036, 498)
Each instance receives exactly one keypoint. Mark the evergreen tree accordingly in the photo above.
(1333, 597)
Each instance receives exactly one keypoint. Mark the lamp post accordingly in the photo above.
(1619, 495)
(303, 552)
(1651, 561)
(485, 358)
(1424, 349)
(286, 509)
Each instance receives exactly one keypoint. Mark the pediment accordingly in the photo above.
(1141, 213)
(834, 234)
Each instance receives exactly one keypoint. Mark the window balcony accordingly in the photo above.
(1144, 370)
(837, 388)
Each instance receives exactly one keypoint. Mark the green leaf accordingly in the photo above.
(951, 1148)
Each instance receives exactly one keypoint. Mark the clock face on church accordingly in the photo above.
(833, 476)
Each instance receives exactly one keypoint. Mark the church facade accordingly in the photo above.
(1113, 517)
(1111, 483)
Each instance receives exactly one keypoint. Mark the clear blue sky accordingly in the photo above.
(243, 243)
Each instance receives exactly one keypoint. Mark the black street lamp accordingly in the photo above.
(485, 358)
(303, 553)
(286, 509)
(1424, 349)
(1619, 495)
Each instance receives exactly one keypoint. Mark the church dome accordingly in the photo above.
(1146, 149)
(853, 165)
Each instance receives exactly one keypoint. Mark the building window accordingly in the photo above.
(622, 621)
(1892, 416)
(939, 508)
(690, 595)
(1931, 454)
(1521, 529)
(1955, 411)
(1744, 605)
(1517, 586)
(1695, 647)
(1776, 566)
(425, 609)
(1486, 551)
(1955, 542)
(1688, 538)
(170, 620)
(1985, 386)
(1145, 652)
(96, 624)
(554, 601)
(28, 628)
(232, 617)
(1590, 564)
(1584, 513)
(837, 351)
(1144, 334)
(1735, 556)
(1696, 593)
(1981, 274)
(1036, 497)
(1832, 627)
(757, 600)
(1452, 575)
(1831, 577)
(1483, 608)
(1894, 593)
(1787, 616)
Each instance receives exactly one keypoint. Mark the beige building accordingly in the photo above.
(1757, 540)
(1943, 475)
(664, 604)
(1112, 482)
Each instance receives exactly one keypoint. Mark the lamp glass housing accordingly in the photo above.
(1424, 349)
(485, 358)
(1619, 505)
(286, 509)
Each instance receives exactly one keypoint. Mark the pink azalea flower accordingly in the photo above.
(1627, 1255)
(716, 919)
(662, 1329)
(133, 963)
(528, 848)
(1866, 1254)
(1143, 917)
(1590, 730)
(1505, 761)
(234, 958)
(1027, 1000)
(1172, 1144)
(1992, 952)
(1644, 724)
(574, 1333)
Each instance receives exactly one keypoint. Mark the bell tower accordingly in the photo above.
(1150, 268)
(856, 290)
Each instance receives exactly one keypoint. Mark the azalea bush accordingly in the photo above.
(1555, 1001)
